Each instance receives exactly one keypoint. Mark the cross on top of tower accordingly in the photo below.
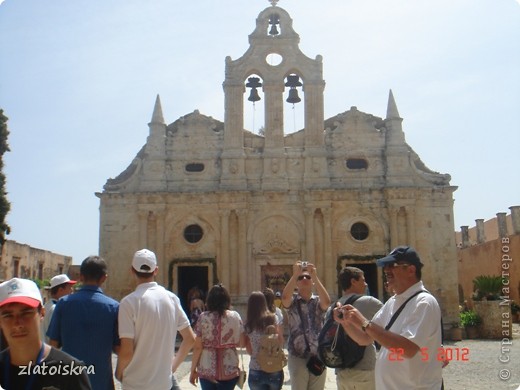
(273, 2)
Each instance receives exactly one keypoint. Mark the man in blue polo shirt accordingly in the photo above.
(84, 324)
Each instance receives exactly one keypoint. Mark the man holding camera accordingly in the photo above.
(408, 327)
(305, 311)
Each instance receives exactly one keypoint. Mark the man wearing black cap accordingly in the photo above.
(408, 358)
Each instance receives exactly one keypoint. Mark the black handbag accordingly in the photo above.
(315, 366)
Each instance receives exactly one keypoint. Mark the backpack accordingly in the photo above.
(335, 348)
(271, 356)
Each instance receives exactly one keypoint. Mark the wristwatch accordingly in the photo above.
(365, 325)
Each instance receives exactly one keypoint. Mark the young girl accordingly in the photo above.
(219, 332)
(258, 319)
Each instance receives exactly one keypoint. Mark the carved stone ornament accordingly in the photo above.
(275, 245)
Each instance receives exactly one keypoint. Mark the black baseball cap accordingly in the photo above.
(406, 254)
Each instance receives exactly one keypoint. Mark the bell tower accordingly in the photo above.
(294, 73)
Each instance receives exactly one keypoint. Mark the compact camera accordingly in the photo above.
(304, 264)
(341, 312)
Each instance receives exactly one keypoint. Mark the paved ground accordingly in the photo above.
(482, 370)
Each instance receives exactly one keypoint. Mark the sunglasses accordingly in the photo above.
(301, 277)
(396, 265)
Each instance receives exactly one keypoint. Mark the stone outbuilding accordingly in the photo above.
(219, 203)
(23, 261)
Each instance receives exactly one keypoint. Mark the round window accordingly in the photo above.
(193, 233)
(359, 231)
(273, 59)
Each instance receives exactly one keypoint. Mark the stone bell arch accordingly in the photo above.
(274, 35)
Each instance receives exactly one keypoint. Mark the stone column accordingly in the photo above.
(410, 222)
(161, 257)
(314, 113)
(273, 115)
(233, 115)
(394, 236)
(330, 262)
(234, 257)
(224, 247)
(143, 228)
(515, 218)
(481, 233)
(309, 254)
(502, 225)
(465, 236)
(243, 263)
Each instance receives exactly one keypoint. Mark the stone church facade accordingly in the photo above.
(219, 203)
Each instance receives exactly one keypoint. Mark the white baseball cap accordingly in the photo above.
(60, 279)
(20, 291)
(144, 261)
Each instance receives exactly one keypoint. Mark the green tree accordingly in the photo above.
(5, 206)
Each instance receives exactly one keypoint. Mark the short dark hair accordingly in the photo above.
(346, 275)
(418, 270)
(55, 289)
(93, 268)
(218, 299)
(142, 275)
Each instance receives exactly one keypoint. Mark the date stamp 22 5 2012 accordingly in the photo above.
(442, 354)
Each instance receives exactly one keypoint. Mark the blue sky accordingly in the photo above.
(78, 80)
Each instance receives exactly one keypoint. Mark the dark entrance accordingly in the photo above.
(370, 270)
(188, 278)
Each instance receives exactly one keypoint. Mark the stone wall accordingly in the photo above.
(496, 257)
(24, 261)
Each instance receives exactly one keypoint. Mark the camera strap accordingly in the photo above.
(303, 327)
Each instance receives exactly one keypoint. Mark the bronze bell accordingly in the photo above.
(253, 83)
(293, 96)
(273, 21)
(253, 96)
(293, 80)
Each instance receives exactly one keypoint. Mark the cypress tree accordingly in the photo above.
(5, 206)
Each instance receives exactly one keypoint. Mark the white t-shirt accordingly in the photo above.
(151, 315)
(49, 309)
(279, 316)
(419, 322)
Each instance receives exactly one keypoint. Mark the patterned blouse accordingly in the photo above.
(312, 316)
(220, 337)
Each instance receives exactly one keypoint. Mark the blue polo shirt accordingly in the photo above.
(85, 324)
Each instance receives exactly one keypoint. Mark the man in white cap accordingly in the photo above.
(29, 363)
(60, 286)
(149, 319)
